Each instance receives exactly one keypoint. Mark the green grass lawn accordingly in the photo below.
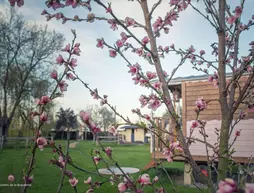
(47, 176)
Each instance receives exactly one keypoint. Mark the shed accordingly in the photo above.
(132, 134)
(191, 88)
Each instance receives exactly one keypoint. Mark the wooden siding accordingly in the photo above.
(195, 90)
(244, 144)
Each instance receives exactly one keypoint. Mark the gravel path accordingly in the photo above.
(73, 145)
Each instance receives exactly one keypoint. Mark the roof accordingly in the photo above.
(179, 80)
(124, 127)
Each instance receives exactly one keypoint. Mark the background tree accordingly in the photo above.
(66, 119)
(26, 55)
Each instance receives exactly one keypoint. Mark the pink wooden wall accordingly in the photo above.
(244, 145)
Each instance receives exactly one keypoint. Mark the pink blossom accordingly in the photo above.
(227, 186)
(157, 85)
(108, 10)
(28, 180)
(73, 182)
(249, 188)
(124, 36)
(54, 4)
(122, 187)
(11, 178)
(94, 94)
(231, 20)
(147, 117)
(85, 116)
(168, 155)
(88, 181)
(202, 52)
(194, 124)
(44, 117)
(108, 151)
(73, 3)
(151, 75)
(113, 24)
(145, 179)
(139, 51)
(174, 2)
(96, 160)
(41, 142)
(76, 51)
(143, 100)
(100, 43)
(191, 49)
(145, 40)
(156, 178)
(157, 24)
(69, 75)
(166, 49)
(63, 86)
(103, 101)
(238, 11)
(134, 69)
(249, 69)
(67, 48)
(136, 79)
(172, 46)
(148, 54)
(112, 53)
(77, 45)
(143, 82)
(43, 100)
(73, 62)
(44, 12)
(154, 104)
(129, 21)
(59, 59)
(119, 43)
(53, 74)
(210, 79)
(237, 133)
(94, 128)
(113, 130)
(59, 15)
(201, 104)
(165, 74)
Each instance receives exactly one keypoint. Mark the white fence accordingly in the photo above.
(110, 139)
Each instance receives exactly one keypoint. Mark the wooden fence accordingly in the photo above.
(16, 141)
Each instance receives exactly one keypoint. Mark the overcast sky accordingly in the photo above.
(110, 76)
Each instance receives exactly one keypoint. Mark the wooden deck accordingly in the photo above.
(159, 155)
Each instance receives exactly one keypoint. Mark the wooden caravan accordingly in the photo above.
(189, 90)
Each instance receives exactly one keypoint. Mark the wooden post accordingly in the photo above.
(1, 142)
(27, 140)
(187, 174)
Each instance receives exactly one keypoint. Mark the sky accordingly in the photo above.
(110, 75)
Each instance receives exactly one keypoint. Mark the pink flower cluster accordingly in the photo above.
(19, 2)
(41, 142)
(214, 79)
(152, 101)
(85, 117)
(227, 186)
(200, 104)
(169, 152)
(232, 19)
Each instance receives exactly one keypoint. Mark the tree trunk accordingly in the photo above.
(223, 149)
(155, 56)
(225, 123)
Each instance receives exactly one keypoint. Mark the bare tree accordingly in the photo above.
(26, 55)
